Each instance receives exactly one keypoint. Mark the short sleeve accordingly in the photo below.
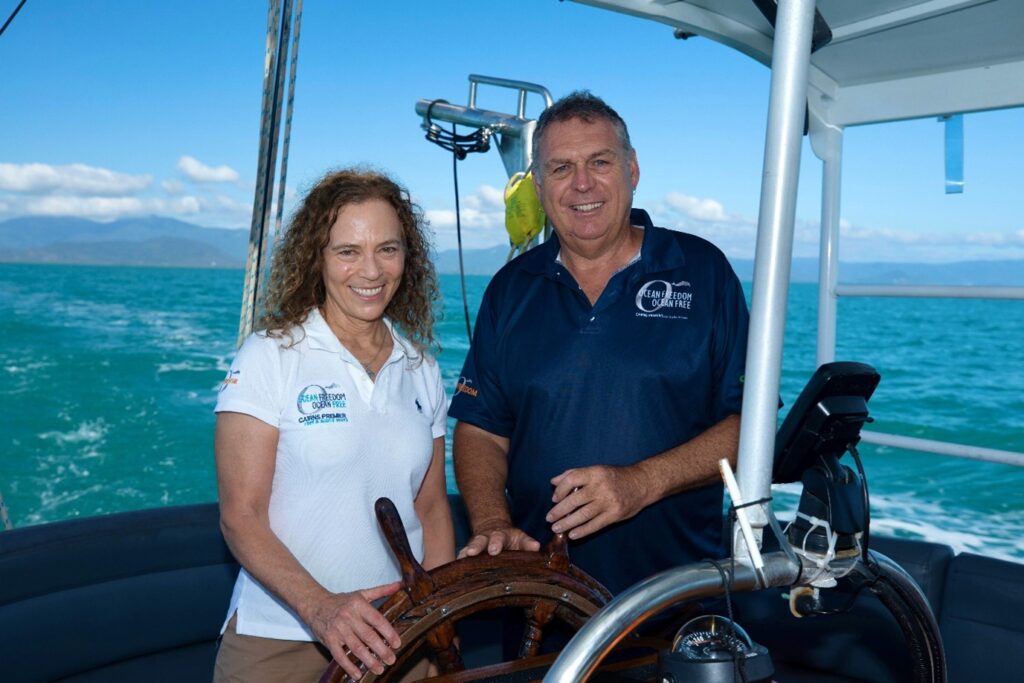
(479, 399)
(730, 345)
(253, 384)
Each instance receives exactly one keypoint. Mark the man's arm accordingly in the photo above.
(587, 499)
(481, 471)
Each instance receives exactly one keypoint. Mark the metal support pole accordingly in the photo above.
(787, 106)
(514, 133)
(827, 143)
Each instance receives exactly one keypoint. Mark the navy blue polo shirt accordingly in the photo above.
(657, 360)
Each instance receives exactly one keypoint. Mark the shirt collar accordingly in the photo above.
(658, 251)
(321, 337)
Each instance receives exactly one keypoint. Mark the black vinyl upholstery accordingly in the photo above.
(133, 596)
(982, 619)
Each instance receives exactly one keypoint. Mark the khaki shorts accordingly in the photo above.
(251, 659)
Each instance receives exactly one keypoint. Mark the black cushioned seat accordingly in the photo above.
(982, 619)
(112, 598)
(927, 563)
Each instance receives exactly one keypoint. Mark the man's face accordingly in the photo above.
(586, 183)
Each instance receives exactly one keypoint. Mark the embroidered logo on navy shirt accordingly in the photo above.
(463, 387)
(319, 405)
(663, 299)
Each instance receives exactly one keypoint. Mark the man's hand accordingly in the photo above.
(481, 469)
(497, 539)
(587, 499)
(347, 622)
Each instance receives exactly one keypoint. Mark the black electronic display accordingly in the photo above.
(825, 419)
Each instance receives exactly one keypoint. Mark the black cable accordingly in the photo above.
(459, 145)
(477, 141)
(759, 501)
(865, 541)
(738, 664)
(11, 18)
(908, 605)
(866, 538)
(458, 229)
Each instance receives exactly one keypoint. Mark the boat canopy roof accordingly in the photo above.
(887, 60)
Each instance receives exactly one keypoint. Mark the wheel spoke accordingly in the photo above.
(537, 617)
(442, 642)
(544, 584)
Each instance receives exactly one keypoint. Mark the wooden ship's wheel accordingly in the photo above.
(544, 584)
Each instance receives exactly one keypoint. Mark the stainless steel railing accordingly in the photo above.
(938, 447)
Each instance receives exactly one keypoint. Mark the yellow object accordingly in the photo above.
(524, 216)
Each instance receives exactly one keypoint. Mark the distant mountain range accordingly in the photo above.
(155, 241)
(1006, 273)
(151, 241)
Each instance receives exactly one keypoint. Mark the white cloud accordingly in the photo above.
(482, 217)
(489, 197)
(997, 239)
(469, 218)
(736, 235)
(37, 189)
(222, 202)
(225, 211)
(78, 179)
(106, 208)
(707, 218)
(696, 208)
(479, 230)
(198, 172)
(860, 243)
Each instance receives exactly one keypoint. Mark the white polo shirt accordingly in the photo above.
(344, 441)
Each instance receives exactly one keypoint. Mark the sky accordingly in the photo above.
(120, 108)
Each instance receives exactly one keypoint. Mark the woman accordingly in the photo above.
(324, 411)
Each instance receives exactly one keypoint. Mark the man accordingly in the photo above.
(604, 380)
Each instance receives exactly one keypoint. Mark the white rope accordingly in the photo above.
(279, 25)
(271, 246)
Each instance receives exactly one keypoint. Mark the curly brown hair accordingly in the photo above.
(296, 282)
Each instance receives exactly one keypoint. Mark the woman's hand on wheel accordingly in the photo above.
(347, 622)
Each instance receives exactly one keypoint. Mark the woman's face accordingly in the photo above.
(363, 262)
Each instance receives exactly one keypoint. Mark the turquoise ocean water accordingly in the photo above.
(109, 377)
